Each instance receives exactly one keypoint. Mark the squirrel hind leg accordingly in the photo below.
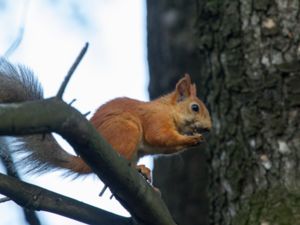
(123, 134)
(145, 171)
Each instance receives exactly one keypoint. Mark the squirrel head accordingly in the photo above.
(191, 115)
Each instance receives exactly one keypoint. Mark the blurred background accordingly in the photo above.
(244, 58)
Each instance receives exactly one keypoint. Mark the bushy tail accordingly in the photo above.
(42, 152)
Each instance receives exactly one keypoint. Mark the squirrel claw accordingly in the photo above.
(145, 171)
(196, 139)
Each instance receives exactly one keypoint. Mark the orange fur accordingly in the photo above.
(135, 128)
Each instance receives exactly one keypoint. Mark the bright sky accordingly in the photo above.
(115, 65)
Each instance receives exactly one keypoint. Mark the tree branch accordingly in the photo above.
(37, 198)
(71, 71)
(11, 170)
(127, 185)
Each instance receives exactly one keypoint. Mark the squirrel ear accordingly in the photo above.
(183, 88)
(193, 90)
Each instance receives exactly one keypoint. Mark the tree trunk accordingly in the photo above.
(246, 59)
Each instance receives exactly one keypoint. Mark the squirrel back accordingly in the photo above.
(42, 152)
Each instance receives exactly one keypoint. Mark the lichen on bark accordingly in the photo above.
(275, 206)
(255, 151)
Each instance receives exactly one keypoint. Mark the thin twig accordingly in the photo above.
(7, 160)
(87, 113)
(5, 199)
(74, 100)
(103, 190)
(112, 195)
(71, 71)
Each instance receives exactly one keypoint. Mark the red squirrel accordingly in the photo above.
(134, 128)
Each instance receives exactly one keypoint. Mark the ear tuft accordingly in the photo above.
(188, 78)
(183, 88)
(193, 90)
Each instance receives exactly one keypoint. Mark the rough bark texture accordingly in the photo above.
(246, 55)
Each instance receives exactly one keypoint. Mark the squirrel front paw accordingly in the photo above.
(195, 139)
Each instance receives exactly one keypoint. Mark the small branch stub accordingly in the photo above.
(5, 199)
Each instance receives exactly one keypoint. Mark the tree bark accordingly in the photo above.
(32, 197)
(247, 55)
(7, 161)
(253, 55)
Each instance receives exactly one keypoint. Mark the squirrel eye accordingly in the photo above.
(195, 107)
